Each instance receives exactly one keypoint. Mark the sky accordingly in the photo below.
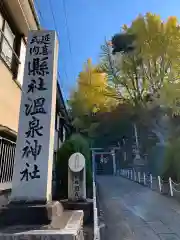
(83, 25)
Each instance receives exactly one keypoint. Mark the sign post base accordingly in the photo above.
(29, 213)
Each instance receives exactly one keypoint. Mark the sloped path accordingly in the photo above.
(134, 212)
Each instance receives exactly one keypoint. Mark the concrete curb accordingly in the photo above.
(101, 220)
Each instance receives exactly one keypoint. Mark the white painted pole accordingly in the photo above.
(135, 176)
(159, 183)
(170, 186)
(136, 136)
(114, 162)
(144, 175)
(139, 177)
(125, 156)
(151, 180)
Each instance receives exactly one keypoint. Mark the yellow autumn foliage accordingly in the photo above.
(91, 94)
(154, 65)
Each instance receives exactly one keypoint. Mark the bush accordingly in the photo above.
(76, 143)
(172, 161)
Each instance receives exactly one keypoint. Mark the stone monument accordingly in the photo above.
(77, 178)
(77, 199)
(32, 179)
(31, 199)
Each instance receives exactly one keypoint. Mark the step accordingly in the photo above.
(68, 226)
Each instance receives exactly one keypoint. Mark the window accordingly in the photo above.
(7, 42)
(64, 134)
(7, 45)
(57, 122)
(1, 22)
(22, 60)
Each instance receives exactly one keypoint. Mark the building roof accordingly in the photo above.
(31, 3)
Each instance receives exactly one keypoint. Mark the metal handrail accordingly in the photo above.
(7, 156)
(95, 211)
(1, 138)
(14, 53)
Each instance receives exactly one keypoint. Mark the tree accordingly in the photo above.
(140, 75)
(92, 95)
(114, 125)
(144, 70)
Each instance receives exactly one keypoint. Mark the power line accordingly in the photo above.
(54, 20)
(39, 11)
(55, 25)
(68, 33)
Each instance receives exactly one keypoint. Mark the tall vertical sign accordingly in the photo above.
(32, 178)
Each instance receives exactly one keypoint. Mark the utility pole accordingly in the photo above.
(114, 158)
(137, 153)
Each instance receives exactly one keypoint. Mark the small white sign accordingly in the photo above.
(76, 162)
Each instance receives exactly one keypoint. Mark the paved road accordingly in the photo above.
(134, 212)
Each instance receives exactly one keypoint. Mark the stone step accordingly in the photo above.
(4, 195)
(86, 206)
(28, 213)
(65, 227)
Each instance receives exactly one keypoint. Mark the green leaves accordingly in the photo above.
(153, 63)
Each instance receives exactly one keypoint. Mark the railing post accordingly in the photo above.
(150, 180)
(1, 152)
(159, 183)
(135, 176)
(144, 176)
(131, 175)
(114, 161)
(139, 177)
(170, 186)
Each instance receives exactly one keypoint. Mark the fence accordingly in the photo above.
(95, 211)
(155, 183)
(7, 153)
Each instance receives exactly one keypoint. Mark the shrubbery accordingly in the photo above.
(172, 160)
(76, 143)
